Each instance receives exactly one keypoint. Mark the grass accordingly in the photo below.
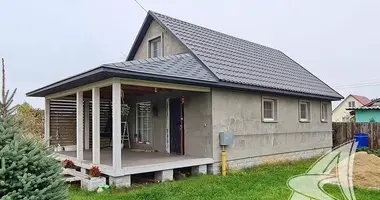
(262, 182)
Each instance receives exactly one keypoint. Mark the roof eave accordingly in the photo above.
(70, 79)
(109, 72)
(275, 91)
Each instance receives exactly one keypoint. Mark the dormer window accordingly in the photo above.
(155, 47)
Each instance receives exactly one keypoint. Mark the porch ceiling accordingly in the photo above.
(129, 90)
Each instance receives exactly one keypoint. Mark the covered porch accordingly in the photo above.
(168, 126)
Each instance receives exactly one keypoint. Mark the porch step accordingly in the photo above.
(86, 181)
(74, 173)
(72, 179)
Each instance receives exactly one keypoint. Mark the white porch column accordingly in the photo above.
(96, 126)
(116, 126)
(86, 124)
(79, 126)
(47, 122)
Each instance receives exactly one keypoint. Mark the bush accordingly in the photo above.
(30, 171)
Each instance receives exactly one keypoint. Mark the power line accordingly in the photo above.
(141, 6)
(358, 85)
(355, 84)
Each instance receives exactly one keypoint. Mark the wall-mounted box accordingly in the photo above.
(226, 138)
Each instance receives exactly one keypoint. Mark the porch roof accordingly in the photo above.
(182, 68)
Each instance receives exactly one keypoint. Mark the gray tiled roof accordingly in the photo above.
(242, 62)
(181, 65)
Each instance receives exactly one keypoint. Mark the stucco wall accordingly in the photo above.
(339, 114)
(240, 113)
(367, 115)
(170, 45)
(197, 127)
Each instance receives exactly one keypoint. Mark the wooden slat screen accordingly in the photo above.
(63, 121)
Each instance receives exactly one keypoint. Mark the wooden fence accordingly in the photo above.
(344, 131)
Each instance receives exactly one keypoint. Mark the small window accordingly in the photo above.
(143, 123)
(269, 109)
(324, 112)
(304, 110)
(351, 104)
(155, 47)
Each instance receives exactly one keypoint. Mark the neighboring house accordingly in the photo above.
(185, 84)
(341, 114)
(367, 113)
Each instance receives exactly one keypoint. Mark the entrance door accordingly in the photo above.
(176, 126)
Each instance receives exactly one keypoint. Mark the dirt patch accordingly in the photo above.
(366, 171)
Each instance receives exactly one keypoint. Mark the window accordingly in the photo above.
(155, 47)
(351, 104)
(143, 122)
(269, 109)
(324, 112)
(304, 111)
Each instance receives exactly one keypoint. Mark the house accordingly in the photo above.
(184, 85)
(367, 113)
(341, 114)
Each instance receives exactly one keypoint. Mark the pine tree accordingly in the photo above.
(27, 168)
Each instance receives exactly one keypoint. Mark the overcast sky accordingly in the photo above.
(44, 41)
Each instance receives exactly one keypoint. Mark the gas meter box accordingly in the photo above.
(226, 138)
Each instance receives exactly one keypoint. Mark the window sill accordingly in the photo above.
(269, 121)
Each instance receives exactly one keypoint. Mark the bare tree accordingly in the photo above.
(6, 100)
(3, 89)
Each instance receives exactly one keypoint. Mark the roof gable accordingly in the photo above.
(236, 61)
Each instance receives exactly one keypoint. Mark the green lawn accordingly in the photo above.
(263, 182)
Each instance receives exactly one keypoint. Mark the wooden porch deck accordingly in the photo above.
(135, 162)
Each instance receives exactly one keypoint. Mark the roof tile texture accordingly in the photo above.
(181, 65)
(239, 61)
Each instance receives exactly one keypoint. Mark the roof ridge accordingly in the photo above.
(245, 40)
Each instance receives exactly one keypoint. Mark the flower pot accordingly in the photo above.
(92, 183)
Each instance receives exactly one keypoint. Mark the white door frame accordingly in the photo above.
(167, 125)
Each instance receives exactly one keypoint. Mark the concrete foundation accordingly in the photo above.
(165, 175)
(201, 169)
(254, 161)
(123, 181)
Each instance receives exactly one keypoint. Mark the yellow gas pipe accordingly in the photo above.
(224, 168)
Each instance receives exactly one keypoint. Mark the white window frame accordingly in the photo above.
(148, 131)
(324, 118)
(308, 111)
(351, 104)
(274, 102)
(159, 47)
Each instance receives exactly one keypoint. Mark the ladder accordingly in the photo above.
(125, 136)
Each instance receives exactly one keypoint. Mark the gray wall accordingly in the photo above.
(197, 117)
(240, 113)
(170, 45)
